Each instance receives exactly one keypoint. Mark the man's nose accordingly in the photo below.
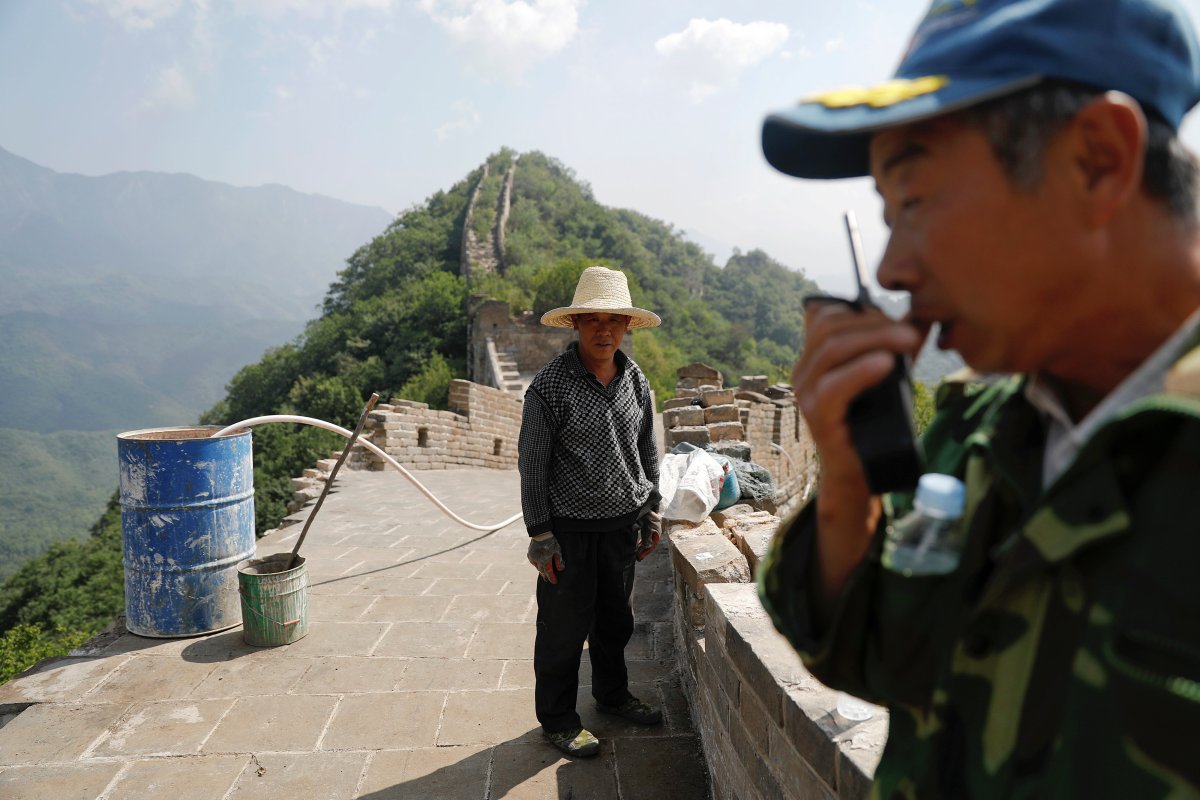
(897, 270)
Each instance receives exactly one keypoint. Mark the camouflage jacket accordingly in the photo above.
(1062, 658)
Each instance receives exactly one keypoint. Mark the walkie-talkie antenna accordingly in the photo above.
(856, 253)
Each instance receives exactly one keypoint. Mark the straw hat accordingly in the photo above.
(601, 290)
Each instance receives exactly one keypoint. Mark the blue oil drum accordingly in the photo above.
(187, 520)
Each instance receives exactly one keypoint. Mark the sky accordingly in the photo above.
(657, 105)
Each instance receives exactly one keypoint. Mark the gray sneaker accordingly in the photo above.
(579, 743)
(633, 710)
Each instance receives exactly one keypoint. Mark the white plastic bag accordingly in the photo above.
(690, 485)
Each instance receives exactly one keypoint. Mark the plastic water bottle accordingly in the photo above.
(929, 540)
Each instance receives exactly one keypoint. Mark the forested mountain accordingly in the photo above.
(395, 321)
(128, 301)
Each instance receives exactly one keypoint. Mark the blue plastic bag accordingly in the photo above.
(730, 492)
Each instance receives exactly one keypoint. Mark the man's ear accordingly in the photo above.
(1108, 144)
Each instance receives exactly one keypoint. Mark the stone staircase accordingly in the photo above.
(508, 375)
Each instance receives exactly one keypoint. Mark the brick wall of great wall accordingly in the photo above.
(769, 729)
(480, 429)
(764, 417)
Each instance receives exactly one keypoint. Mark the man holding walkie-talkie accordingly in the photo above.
(1043, 218)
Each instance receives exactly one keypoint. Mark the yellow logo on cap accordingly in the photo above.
(881, 95)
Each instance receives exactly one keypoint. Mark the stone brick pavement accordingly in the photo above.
(415, 681)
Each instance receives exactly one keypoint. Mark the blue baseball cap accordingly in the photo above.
(967, 51)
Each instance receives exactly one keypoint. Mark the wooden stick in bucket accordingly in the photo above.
(291, 564)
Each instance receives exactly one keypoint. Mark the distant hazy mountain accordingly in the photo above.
(128, 301)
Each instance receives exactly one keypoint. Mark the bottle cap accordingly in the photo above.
(941, 495)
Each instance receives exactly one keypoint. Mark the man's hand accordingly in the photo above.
(847, 350)
(546, 554)
(649, 535)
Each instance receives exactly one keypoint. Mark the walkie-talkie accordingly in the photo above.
(881, 418)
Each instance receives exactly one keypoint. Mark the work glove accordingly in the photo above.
(546, 554)
(649, 534)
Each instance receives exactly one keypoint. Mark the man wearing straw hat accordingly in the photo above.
(1043, 218)
(589, 492)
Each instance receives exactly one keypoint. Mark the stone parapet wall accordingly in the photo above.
(479, 430)
(779, 440)
(769, 729)
(504, 210)
(704, 413)
(468, 243)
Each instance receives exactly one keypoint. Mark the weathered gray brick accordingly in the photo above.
(689, 416)
(716, 397)
(721, 413)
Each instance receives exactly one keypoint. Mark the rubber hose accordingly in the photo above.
(329, 426)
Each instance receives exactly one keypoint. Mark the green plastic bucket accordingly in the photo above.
(274, 600)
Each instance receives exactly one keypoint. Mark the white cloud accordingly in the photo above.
(710, 54)
(315, 9)
(468, 119)
(319, 50)
(322, 29)
(502, 38)
(138, 15)
(202, 36)
(284, 93)
(835, 44)
(171, 89)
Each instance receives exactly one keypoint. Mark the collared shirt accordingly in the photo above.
(587, 453)
(1064, 438)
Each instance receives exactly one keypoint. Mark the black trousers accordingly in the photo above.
(590, 602)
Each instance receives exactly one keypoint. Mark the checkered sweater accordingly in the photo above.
(588, 458)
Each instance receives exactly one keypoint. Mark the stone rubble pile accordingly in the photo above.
(754, 423)
(702, 411)
(308, 487)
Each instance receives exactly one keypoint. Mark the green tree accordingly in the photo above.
(25, 645)
(257, 389)
(327, 398)
(659, 362)
(431, 385)
(922, 406)
(554, 286)
(75, 585)
(282, 452)
(60, 599)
